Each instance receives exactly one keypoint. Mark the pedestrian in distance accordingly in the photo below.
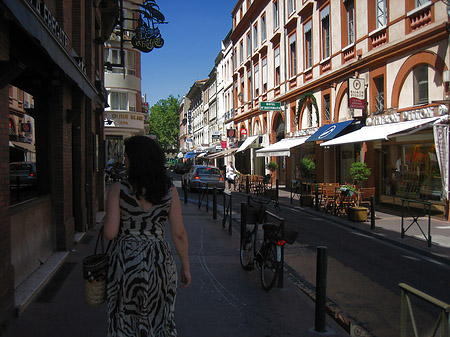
(230, 175)
(142, 275)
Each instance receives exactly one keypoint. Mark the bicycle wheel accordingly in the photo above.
(246, 252)
(269, 266)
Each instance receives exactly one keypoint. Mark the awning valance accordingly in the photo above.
(377, 132)
(219, 154)
(189, 155)
(329, 131)
(23, 146)
(281, 148)
(247, 143)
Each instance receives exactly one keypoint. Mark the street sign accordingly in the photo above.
(269, 106)
(356, 93)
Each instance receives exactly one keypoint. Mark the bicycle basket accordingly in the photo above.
(290, 236)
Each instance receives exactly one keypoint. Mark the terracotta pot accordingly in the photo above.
(357, 214)
(306, 201)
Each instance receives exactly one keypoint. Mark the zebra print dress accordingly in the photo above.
(142, 273)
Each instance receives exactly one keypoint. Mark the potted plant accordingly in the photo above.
(359, 173)
(272, 167)
(307, 167)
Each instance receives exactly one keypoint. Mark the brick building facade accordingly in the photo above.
(52, 50)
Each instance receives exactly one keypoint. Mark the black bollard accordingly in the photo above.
(321, 290)
(276, 189)
(372, 212)
(214, 203)
(185, 194)
(247, 186)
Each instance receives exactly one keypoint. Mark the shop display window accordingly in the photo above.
(412, 171)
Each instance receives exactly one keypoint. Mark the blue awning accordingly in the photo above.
(329, 131)
(189, 155)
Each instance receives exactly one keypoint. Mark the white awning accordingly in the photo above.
(377, 132)
(247, 143)
(23, 146)
(281, 148)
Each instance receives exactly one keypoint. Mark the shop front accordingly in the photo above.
(405, 159)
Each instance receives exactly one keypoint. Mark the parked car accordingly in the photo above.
(22, 174)
(203, 174)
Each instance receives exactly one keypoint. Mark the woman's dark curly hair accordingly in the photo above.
(147, 174)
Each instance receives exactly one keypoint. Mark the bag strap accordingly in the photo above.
(100, 238)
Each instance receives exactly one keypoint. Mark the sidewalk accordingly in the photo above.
(388, 228)
(223, 299)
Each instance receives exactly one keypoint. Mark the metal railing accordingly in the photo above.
(442, 322)
(416, 216)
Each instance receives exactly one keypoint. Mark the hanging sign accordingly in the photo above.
(356, 93)
(147, 35)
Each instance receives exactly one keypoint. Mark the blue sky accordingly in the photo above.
(192, 40)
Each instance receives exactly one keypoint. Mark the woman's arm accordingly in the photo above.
(179, 237)
(112, 219)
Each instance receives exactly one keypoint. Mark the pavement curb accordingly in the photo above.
(30, 288)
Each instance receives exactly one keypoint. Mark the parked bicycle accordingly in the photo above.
(266, 254)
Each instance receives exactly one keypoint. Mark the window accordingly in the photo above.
(113, 56)
(420, 74)
(379, 98)
(327, 108)
(277, 65)
(235, 58)
(350, 7)
(291, 6)
(325, 20)
(256, 70)
(255, 36)
(275, 15)
(310, 116)
(249, 85)
(292, 55)
(131, 63)
(421, 2)
(263, 28)
(241, 51)
(308, 45)
(381, 13)
(119, 101)
(242, 86)
(264, 74)
(132, 102)
(249, 45)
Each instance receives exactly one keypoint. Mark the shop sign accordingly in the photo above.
(356, 93)
(125, 119)
(49, 21)
(223, 144)
(269, 106)
(409, 115)
(147, 35)
(215, 136)
(231, 133)
(243, 132)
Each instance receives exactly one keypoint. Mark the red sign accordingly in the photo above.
(223, 144)
(243, 132)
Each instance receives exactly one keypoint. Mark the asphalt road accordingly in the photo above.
(363, 272)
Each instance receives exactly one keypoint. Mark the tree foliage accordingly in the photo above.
(164, 122)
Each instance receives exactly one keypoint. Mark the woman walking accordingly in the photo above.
(142, 276)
